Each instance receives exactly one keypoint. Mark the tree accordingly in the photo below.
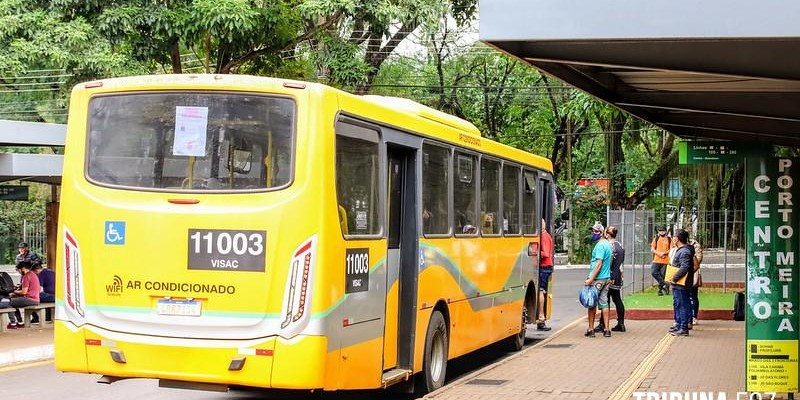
(375, 29)
(43, 52)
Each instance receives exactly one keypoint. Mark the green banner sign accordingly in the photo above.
(772, 310)
(14, 192)
(717, 152)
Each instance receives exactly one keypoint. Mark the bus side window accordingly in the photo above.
(435, 183)
(511, 200)
(357, 171)
(529, 214)
(490, 196)
(464, 195)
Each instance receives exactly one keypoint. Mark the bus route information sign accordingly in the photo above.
(717, 152)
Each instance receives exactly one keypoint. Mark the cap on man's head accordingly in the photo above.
(598, 227)
(23, 244)
(661, 227)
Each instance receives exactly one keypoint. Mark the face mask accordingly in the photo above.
(595, 236)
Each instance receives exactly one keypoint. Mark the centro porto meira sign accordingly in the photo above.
(772, 273)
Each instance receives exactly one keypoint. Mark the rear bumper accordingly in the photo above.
(273, 362)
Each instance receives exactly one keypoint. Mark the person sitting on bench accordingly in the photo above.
(47, 280)
(26, 295)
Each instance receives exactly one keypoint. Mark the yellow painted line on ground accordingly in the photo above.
(718, 329)
(626, 389)
(24, 365)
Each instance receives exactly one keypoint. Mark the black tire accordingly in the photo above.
(434, 361)
(515, 342)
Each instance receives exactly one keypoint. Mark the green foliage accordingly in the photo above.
(588, 206)
(339, 62)
(45, 51)
(32, 37)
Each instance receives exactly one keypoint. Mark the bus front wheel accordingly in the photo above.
(434, 364)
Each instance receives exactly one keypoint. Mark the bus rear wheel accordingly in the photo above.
(434, 362)
(515, 342)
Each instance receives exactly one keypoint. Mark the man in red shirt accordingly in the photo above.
(26, 295)
(545, 270)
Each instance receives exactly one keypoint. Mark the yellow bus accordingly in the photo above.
(222, 230)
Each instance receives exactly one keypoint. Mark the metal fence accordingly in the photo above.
(32, 232)
(720, 233)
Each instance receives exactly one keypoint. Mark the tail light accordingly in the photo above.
(297, 298)
(73, 295)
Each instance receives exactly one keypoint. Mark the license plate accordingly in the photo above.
(189, 308)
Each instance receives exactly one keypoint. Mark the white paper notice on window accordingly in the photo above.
(190, 131)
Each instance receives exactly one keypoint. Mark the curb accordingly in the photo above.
(492, 366)
(668, 314)
(26, 355)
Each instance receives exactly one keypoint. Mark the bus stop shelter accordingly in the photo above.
(716, 69)
(42, 168)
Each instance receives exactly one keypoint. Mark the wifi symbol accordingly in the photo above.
(117, 281)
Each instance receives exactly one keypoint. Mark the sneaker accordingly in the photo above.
(666, 289)
(589, 333)
(607, 334)
(673, 328)
(11, 326)
(660, 293)
(542, 327)
(694, 321)
(599, 328)
(689, 327)
(619, 328)
(680, 332)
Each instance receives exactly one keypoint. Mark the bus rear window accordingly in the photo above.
(197, 141)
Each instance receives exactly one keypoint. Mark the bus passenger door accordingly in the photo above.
(401, 262)
(547, 198)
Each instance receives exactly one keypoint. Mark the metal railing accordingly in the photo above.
(32, 232)
(719, 232)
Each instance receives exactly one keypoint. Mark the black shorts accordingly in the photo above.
(544, 277)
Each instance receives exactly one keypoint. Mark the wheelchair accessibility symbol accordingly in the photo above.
(115, 232)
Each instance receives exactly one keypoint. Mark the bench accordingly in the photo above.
(4, 317)
(39, 311)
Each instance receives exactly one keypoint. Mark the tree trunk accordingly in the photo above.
(615, 160)
(377, 54)
(175, 57)
(661, 173)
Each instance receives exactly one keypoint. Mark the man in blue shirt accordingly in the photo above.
(47, 280)
(599, 276)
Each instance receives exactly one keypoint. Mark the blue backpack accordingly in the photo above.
(588, 296)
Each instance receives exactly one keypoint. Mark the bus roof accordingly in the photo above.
(426, 112)
(395, 105)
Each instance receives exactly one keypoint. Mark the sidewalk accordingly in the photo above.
(565, 366)
(26, 345)
(643, 359)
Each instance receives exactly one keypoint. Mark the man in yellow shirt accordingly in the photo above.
(660, 249)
